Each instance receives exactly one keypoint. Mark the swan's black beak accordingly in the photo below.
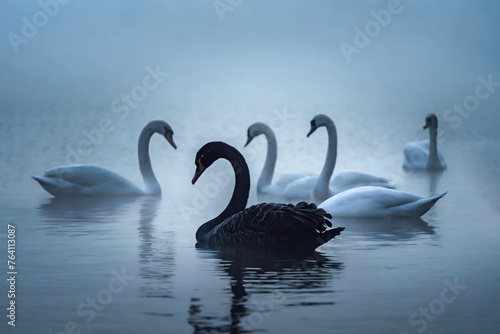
(199, 170)
(313, 128)
(249, 139)
(170, 139)
(427, 124)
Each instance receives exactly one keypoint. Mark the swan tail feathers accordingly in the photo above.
(42, 179)
(431, 201)
(311, 216)
(54, 186)
(322, 238)
(434, 199)
(330, 234)
(36, 178)
(416, 208)
(428, 203)
(45, 183)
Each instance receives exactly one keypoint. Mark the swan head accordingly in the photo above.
(319, 121)
(164, 129)
(431, 121)
(212, 151)
(255, 130)
(205, 158)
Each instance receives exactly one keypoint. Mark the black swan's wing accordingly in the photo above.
(269, 224)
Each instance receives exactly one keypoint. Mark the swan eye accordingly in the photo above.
(198, 162)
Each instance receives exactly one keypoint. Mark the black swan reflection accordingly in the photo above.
(260, 285)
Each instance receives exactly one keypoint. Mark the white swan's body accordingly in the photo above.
(417, 156)
(346, 180)
(264, 184)
(86, 180)
(300, 188)
(282, 185)
(303, 188)
(425, 154)
(377, 202)
(324, 187)
(92, 180)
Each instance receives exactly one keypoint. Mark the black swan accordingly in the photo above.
(287, 227)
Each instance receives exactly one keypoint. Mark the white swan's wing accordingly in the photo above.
(83, 175)
(366, 202)
(300, 188)
(278, 188)
(343, 181)
(375, 202)
(287, 178)
(85, 180)
(416, 155)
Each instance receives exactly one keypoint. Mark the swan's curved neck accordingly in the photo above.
(241, 190)
(321, 189)
(266, 177)
(433, 152)
(150, 181)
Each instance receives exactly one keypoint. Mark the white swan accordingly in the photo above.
(425, 154)
(377, 202)
(92, 180)
(264, 185)
(342, 181)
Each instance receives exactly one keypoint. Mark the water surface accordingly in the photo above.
(130, 265)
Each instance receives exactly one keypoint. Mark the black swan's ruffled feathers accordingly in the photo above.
(267, 223)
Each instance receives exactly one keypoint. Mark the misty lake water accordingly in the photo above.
(371, 278)
(130, 265)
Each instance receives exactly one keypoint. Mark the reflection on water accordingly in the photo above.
(389, 229)
(156, 253)
(82, 211)
(430, 177)
(261, 284)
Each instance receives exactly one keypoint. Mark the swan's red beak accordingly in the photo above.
(170, 139)
(199, 170)
(313, 128)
